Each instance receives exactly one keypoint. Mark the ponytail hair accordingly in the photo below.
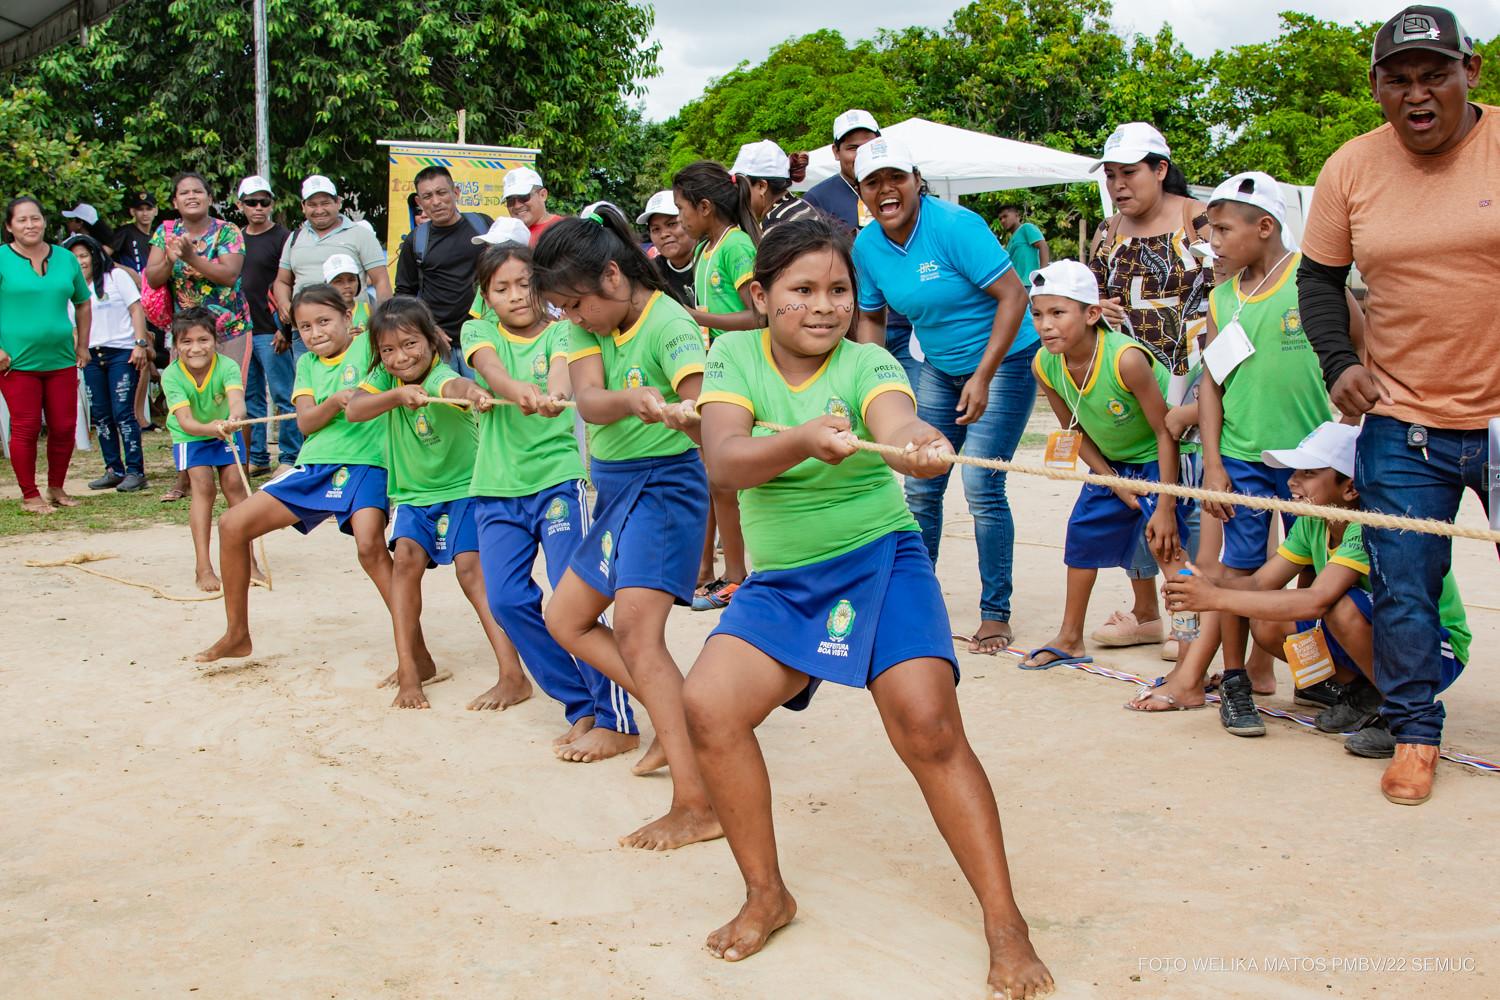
(1175, 182)
(572, 255)
(319, 294)
(708, 181)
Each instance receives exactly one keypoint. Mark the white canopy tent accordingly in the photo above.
(957, 161)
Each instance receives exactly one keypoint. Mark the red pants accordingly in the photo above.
(28, 394)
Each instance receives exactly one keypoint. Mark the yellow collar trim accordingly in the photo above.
(765, 346)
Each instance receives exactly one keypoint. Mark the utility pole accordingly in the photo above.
(262, 93)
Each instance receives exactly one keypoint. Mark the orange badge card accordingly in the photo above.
(1062, 450)
(1308, 656)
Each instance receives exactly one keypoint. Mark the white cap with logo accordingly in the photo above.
(852, 119)
(1132, 143)
(1329, 446)
(1068, 278)
(762, 159)
(505, 230)
(253, 184)
(83, 212)
(337, 264)
(882, 153)
(661, 203)
(1262, 191)
(318, 184)
(520, 182)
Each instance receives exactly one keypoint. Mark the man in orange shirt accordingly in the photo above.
(1432, 379)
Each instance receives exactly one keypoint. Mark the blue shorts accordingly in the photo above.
(212, 452)
(649, 521)
(847, 619)
(1103, 532)
(1247, 534)
(315, 493)
(444, 530)
(1448, 671)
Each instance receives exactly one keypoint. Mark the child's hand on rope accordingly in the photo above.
(647, 404)
(682, 416)
(413, 397)
(926, 455)
(828, 439)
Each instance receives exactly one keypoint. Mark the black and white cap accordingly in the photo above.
(1419, 26)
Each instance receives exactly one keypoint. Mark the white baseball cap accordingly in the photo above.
(318, 184)
(878, 154)
(1329, 446)
(1132, 143)
(83, 212)
(337, 264)
(1262, 191)
(661, 203)
(505, 230)
(1068, 278)
(520, 182)
(852, 119)
(253, 184)
(762, 159)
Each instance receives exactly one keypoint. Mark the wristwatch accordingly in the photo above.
(143, 343)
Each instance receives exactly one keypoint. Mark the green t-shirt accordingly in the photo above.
(430, 450)
(664, 347)
(1275, 397)
(359, 320)
(1105, 407)
(1023, 252)
(35, 327)
(206, 402)
(1307, 545)
(339, 442)
(813, 511)
(520, 455)
(720, 270)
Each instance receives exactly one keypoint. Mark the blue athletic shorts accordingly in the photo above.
(847, 619)
(213, 452)
(444, 530)
(315, 493)
(1103, 532)
(1450, 668)
(1248, 533)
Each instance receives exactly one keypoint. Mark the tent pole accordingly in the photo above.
(262, 123)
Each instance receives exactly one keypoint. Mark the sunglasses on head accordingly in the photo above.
(257, 202)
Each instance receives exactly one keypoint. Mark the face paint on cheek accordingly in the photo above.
(844, 309)
(793, 307)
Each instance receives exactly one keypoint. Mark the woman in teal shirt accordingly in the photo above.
(41, 349)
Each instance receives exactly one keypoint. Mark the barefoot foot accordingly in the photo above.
(228, 645)
(1015, 971)
(576, 730)
(61, 498)
(597, 744)
(678, 828)
(654, 759)
(763, 914)
(208, 580)
(507, 691)
(37, 505)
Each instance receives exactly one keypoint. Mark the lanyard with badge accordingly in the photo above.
(1063, 446)
(1232, 346)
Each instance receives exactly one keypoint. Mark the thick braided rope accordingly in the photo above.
(461, 403)
(76, 561)
(1373, 519)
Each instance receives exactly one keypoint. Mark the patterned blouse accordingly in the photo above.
(1163, 287)
(191, 288)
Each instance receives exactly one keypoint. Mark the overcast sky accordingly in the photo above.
(701, 40)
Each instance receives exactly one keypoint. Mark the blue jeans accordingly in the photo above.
(995, 435)
(898, 342)
(1407, 569)
(111, 381)
(267, 369)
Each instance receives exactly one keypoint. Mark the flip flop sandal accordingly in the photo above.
(1003, 647)
(172, 496)
(1062, 659)
(1150, 694)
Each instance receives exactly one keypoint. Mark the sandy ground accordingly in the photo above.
(275, 829)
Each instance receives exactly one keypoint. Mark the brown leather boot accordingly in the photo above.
(1408, 779)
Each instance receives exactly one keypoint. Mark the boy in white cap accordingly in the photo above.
(526, 199)
(342, 273)
(1324, 627)
(674, 248)
(1109, 396)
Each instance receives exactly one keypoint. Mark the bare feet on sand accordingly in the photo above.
(1015, 971)
(597, 744)
(678, 828)
(576, 730)
(37, 505)
(209, 580)
(61, 498)
(228, 645)
(503, 695)
(426, 672)
(763, 914)
(654, 759)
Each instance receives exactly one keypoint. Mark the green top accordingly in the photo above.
(430, 450)
(1105, 407)
(207, 401)
(720, 270)
(813, 511)
(520, 455)
(1275, 397)
(359, 319)
(35, 327)
(664, 347)
(1307, 545)
(339, 442)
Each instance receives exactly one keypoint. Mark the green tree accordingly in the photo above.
(43, 156)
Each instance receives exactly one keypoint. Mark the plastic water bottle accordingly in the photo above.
(1184, 623)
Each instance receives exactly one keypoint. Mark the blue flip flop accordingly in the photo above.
(1063, 659)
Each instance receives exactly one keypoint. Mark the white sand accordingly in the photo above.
(276, 830)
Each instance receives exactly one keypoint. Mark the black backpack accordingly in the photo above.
(423, 233)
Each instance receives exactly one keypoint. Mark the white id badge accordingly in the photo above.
(1228, 351)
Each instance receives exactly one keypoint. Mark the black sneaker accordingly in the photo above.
(1358, 706)
(131, 483)
(108, 481)
(1237, 708)
(1324, 694)
(1372, 741)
